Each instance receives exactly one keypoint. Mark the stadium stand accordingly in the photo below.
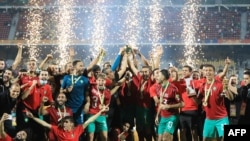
(5, 24)
(215, 23)
(222, 24)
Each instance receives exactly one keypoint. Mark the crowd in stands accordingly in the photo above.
(213, 24)
(220, 25)
(5, 23)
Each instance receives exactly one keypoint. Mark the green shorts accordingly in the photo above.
(168, 124)
(144, 117)
(211, 126)
(100, 124)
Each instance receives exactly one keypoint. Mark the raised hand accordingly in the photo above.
(227, 61)
(19, 46)
(49, 56)
(72, 52)
(159, 50)
(34, 82)
(5, 116)
(105, 108)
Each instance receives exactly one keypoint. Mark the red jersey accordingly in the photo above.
(92, 80)
(216, 108)
(98, 98)
(190, 104)
(34, 99)
(153, 92)
(217, 77)
(55, 115)
(143, 87)
(27, 79)
(63, 135)
(6, 138)
(171, 96)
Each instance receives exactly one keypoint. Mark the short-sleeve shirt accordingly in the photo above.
(34, 99)
(171, 96)
(95, 99)
(216, 108)
(27, 79)
(6, 138)
(62, 135)
(76, 97)
(189, 102)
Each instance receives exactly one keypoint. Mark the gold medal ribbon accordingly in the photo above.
(72, 79)
(101, 97)
(207, 93)
(163, 92)
(60, 113)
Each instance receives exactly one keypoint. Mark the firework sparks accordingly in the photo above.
(154, 23)
(99, 27)
(190, 22)
(65, 18)
(132, 22)
(34, 27)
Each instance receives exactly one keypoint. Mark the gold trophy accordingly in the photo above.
(101, 55)
(225, 84)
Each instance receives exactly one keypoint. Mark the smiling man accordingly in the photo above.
(6, 80)
(8, 101)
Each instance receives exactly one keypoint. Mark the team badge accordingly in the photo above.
(214, 88)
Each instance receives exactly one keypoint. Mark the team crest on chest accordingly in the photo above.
(94, 91)
(214, 88)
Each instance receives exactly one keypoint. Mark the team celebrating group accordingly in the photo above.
(104, 102)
